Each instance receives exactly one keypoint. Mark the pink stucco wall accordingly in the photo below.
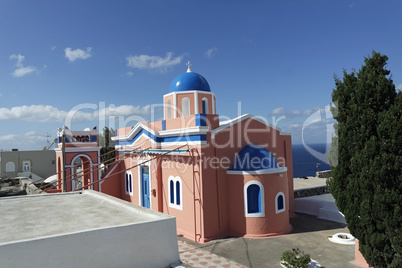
(213, 201)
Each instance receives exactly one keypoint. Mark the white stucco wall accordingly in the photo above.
(84, 229)
(149, 244)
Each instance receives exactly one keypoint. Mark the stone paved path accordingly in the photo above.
(196, 257)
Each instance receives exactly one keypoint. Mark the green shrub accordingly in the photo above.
(295, 259)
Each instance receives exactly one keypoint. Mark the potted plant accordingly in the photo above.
(295, 258)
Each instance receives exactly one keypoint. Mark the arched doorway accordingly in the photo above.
(82, 172)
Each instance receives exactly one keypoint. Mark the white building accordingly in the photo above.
(38, 164)
(84, 229)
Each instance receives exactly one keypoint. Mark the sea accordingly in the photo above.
(304, 163)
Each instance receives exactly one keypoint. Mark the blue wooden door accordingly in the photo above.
(145, 187)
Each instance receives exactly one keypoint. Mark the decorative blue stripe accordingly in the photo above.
(163, 124)
(200, 120)
(161, 140)
(66, 140)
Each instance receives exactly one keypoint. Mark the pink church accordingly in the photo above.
(218, 178)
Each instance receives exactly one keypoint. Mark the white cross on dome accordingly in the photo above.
(189, 66)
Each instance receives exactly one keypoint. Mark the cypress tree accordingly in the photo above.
(367, 178)
(107, 145)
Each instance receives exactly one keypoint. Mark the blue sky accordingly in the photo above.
(277, 58)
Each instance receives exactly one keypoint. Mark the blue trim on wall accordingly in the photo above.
(200, 120)
(163, 124)
(94, 138)
(167, 139)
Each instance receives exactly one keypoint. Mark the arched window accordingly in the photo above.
(10, 167)
(253, 199)
(169, 109)
(126, 183)
(178, 192)
(254, 204)
(185, 106)
(204, 105)
(78, 173)
(26, 166)
(129, 183)
(171, 191)
(279, 202)
(175, 193)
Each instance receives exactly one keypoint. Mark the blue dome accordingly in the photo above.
(189, 81)
(254, 157)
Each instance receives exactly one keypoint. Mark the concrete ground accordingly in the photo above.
(301, 183)
(309, 235)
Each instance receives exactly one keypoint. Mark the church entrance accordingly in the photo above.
(145, 191)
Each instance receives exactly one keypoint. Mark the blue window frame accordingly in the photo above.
(171, 192)
(175, 193)
(254, 204)
(204, 105)
(280, 202)
(126, 182)
(129, 183)
(178, 190)
(253, 199)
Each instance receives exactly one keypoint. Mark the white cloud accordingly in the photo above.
(308, 112)
(9, 137)
(296, 125)
(279, 110)
(399, 87)
(211, 52)
(36, 113)
(129, 74)
(153, 62)
(295, 113)
(31, 139)
(73, 55)
(31, 133)
(126, 110)
(21, 69)
(47, 113)
(19, 59)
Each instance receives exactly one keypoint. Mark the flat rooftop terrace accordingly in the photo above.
(36, 216)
